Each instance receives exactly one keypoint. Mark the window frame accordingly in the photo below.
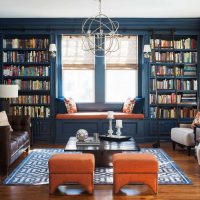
(99, 104)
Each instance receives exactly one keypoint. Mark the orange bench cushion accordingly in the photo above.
(135, 163)
(99, 115)
(71, 163)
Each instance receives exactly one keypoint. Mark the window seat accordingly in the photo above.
(99, 115)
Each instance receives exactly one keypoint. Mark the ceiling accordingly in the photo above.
(89, 8)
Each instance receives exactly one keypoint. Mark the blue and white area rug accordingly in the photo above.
(33, 170)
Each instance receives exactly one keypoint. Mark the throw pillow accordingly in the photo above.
(196, 120)
(70, 105)
(139, 104)
(128, 105)
(4, 120)
(60, 106)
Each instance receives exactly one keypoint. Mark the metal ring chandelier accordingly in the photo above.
(97, 30)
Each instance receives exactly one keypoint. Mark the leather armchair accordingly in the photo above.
(13, 144)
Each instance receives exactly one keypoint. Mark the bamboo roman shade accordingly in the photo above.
(127, 55)
(73, 55)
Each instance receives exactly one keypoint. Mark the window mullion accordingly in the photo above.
(99, 78)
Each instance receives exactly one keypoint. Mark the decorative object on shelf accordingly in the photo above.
(8, 91)
(81, 135)
(95, 137)
(100, 28)
(53, 50)
(88, 142)
(119, 126)
(110, 117)
(147, 50)
(115, 138)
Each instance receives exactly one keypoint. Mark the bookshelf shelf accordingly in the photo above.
(26, 49)
(173, 77)
(26, 63)
(28, 77)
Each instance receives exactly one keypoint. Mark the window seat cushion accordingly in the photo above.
(99, 115)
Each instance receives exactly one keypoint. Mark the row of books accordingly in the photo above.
(183, 57)
(30, 84)
(168, 84)
(187, 43)
(163, 113)
(163, 56)
(186, 57)
(162, 84)
(159, 43)
(162, 71)
(174, 99)
(188, 112)
(28, 56)
(165, 98)
(189, 99)
(25, 43)
(185, 70)
(186, 84)
(14, 70)
(31, 99)
(32, 111)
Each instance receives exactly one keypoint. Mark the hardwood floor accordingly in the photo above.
(166, 192)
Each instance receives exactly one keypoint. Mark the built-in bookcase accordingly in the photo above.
(26, 63)
(173, 77)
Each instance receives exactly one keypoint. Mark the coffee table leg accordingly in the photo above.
(103, 158)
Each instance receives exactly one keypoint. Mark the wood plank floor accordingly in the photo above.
(166, 192)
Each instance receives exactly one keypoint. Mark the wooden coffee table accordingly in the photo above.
(103, 152)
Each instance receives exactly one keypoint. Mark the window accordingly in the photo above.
(90, 79)
(77, 70)
(122, 71)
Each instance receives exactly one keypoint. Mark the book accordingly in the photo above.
(88, 142)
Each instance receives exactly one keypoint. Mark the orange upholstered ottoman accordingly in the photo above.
(135, 167)
(71, 168)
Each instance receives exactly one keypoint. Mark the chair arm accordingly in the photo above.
(5, 148)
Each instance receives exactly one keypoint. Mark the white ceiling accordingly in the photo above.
(89, 8)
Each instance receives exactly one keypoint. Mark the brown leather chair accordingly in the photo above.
(13, 144)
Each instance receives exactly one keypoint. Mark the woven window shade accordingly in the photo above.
(127, 55)
(73, 56)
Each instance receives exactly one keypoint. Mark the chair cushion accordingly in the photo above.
(184, 136)
(21, 137)
(71, 163)
(135, 163)
(99, 115)
(13, 147)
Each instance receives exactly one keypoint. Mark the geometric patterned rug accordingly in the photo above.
(33, 170)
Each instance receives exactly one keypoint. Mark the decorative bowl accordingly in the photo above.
(81, 135)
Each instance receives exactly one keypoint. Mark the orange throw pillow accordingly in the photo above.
(196, 120)
(129, 105)
(70, 105)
